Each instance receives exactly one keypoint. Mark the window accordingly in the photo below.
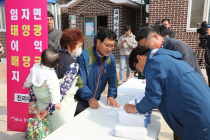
(57, 19)
(198, 11)
(2, 19)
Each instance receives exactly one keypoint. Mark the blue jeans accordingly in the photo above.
(123, 59)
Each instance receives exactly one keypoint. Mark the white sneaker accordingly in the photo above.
(120, 82)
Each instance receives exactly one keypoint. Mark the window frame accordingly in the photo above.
(205, 14)
(2, 29)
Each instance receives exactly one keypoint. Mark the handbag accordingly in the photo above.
(37, 129)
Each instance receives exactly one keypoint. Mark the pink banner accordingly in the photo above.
(26, 38)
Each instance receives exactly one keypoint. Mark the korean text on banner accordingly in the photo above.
(26, 38)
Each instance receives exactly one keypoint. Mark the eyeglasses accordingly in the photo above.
(109, 46)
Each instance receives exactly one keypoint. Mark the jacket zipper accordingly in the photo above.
(99, 76)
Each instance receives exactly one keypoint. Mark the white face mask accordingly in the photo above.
(78, 52)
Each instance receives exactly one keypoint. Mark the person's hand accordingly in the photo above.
(32, 107)
(127, 42)
(58, 106)
(208, 31)
(42, 114)
(123, 41)
(114, 103)
(93, 103)
(24, 87)
(129, 108)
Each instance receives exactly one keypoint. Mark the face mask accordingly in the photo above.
(78, 52)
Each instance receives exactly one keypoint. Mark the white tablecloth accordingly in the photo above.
(132, 87)
(94, 124)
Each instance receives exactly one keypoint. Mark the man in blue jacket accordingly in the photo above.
(96, 68)
(173, 86)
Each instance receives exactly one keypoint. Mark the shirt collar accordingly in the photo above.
(51, 30)
(153, 52)
(62, 49)
(45, 67)
(163, 44)
(99, 55)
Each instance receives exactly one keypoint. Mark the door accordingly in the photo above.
(89, 30)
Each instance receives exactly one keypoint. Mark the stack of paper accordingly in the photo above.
(131, 132)
(137, 99)
(132, 119)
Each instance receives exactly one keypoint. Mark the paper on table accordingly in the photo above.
(132, 119)
(131, 132)
(133, 102)
(114, 112)
(139, 96)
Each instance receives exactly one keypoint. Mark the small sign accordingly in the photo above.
(72, 16)
(116, 21)
(21, 98)
(89, 29)
(73, 21)
(73, 26)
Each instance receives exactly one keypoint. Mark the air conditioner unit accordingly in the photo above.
(147, 8)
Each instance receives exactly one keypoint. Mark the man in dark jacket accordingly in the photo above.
(176, 89)
(148, 37)
(166, 22)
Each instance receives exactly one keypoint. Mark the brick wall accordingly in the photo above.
(64, 19)
(3, 42)
(63, 1)
(105, 7)
(176, 11)
(64, 14)
(144, 15)
(127, 17)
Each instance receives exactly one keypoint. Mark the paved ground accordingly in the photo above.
(4, 134)
(165, 132)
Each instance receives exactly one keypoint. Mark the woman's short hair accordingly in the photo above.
(70, 38)
(50, 58)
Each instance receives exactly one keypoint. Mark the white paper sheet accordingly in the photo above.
(114, 112)
(131, 132)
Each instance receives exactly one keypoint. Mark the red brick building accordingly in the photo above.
(184, 16)
(101, 13)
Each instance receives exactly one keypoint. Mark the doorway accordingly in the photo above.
(102, 21)
(91, 23)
